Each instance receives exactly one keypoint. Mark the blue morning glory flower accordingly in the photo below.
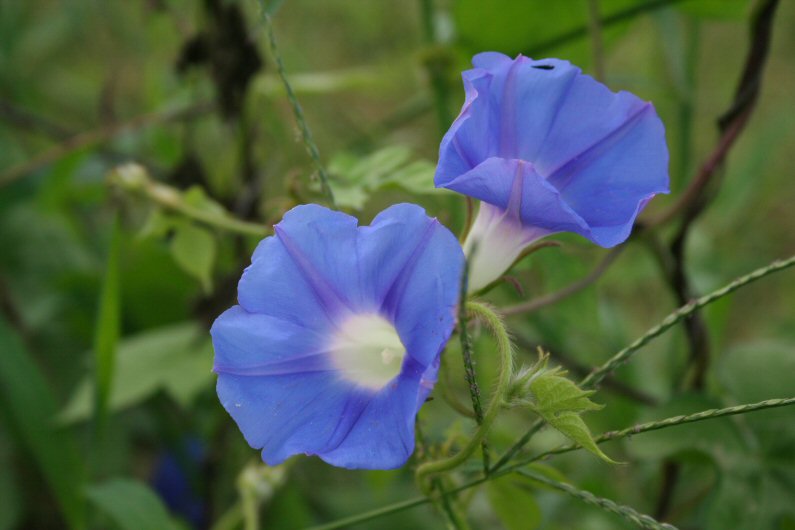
(335, 344)
(548, 149)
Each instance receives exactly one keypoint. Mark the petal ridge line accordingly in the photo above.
(559, 103)
(320, 285)
(623, 127)
(408, 268)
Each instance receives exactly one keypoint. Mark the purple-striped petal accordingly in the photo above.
(588, 159)
(336, 341)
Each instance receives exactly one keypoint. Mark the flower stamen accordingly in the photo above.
(367, 350)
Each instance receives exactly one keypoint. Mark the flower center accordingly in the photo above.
(367, 351)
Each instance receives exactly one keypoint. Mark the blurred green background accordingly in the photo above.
(102, 281)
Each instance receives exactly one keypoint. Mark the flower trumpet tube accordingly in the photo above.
(548, 149)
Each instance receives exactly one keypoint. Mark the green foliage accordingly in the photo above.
(748, 499)
(10, 501)
(192, 203)
(108, 324)
(193, 249)
(558, 400)
(763, 471)
(373, 86)
(520, 27)
(355, 178)
(197, 198)
(257, 484)
(130, 505)
(30, 407)
(175, 359)
(514, 504)
(719, 439)
(772, 363)
(746, 463)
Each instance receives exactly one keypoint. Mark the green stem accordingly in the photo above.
(667, 422)
(631, 515)
(134, 178)
(445, 390)
(612, 435)
(445, 503)
(469, 366)
(250, 506)
(593, 379)
(347, 522)
(230, 519)
(493, 321)
(298, 111)
(106, 335)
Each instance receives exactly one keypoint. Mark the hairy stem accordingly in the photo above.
(578, 369)
(445, 390)
(573, 288)
(612, 435)
(667, 422)
(298, 111)
(593, 379)
(134, 178)
(631, 515)
(492, 320)
(469, 366)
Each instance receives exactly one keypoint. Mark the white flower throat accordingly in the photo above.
(367, 350)
(495, 241)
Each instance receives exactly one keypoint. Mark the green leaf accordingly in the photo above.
(554, 393)
(177, 359)
(560, 402)
(157, 224)
(354, 178)
(514, 504)
(573, 427)
(131, 505)
(30, 408)
(375, 167)
(416, 177)
(350, 196)
(196, 197)
(107, 328)
(193, 249)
